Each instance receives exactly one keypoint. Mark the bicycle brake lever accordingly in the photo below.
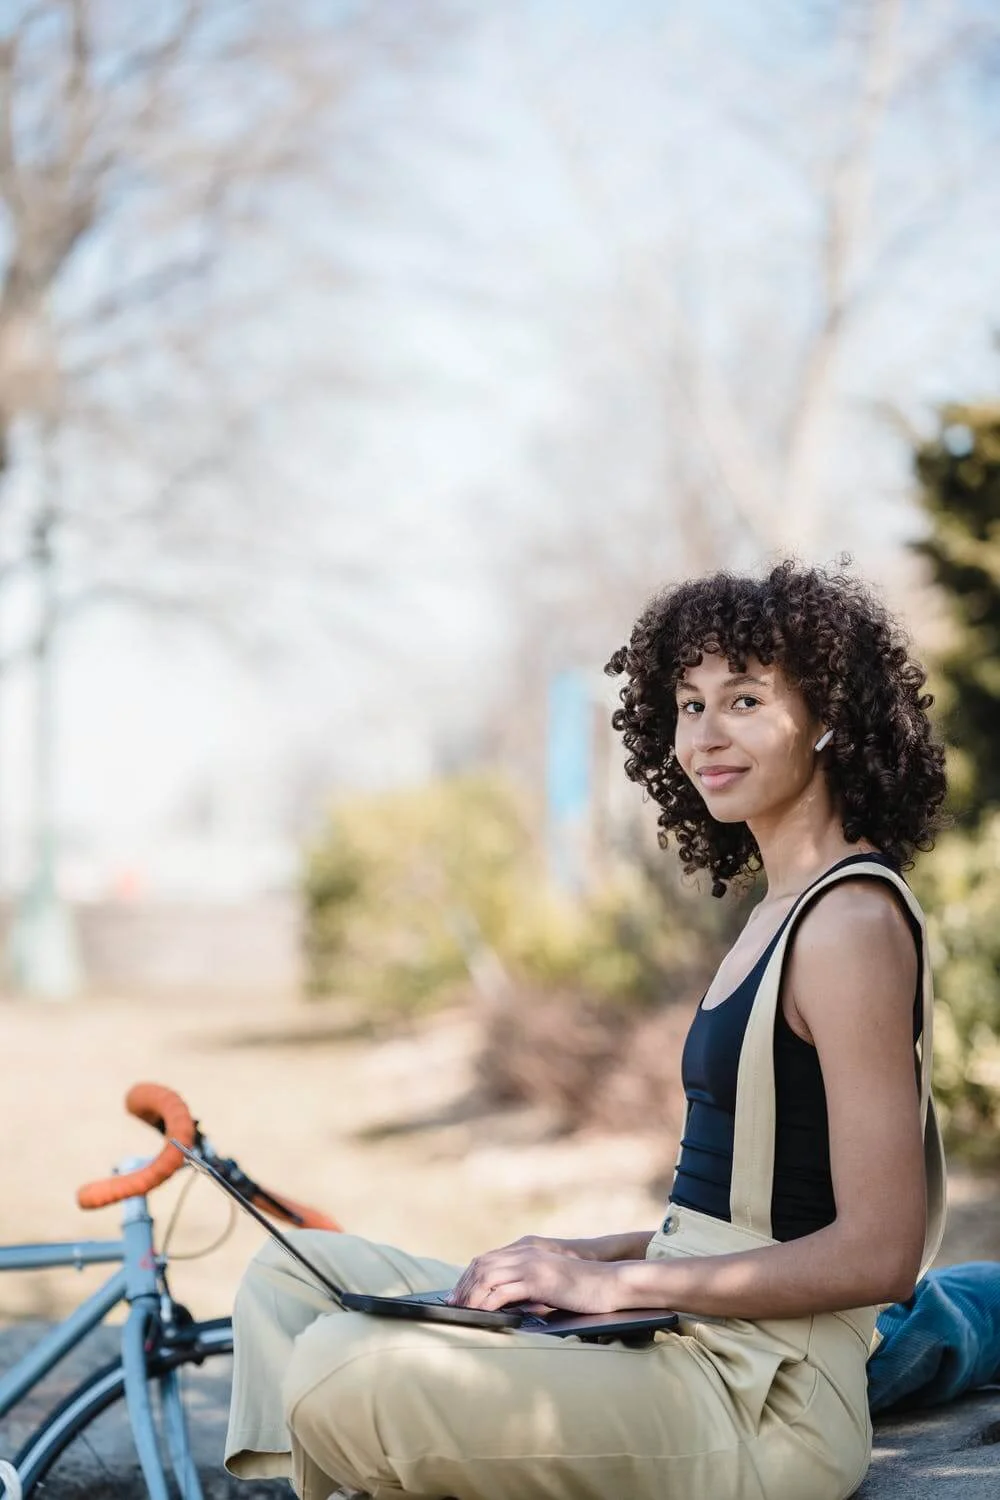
(235, 1175)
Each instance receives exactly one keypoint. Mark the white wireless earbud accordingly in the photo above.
(824, 740)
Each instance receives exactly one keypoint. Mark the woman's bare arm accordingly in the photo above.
(851, 976)
(628, 1245)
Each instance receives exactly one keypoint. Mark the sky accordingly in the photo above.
(460, 347)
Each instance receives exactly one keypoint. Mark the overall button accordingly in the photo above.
(670, 1223)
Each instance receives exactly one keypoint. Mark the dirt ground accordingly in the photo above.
(378, 1132)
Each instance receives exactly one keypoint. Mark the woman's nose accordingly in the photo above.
(709, 732)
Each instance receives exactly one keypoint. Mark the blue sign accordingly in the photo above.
(568, 771)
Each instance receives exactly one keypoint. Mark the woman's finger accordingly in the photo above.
(475, 1273)
(487, 1277)
(472, 1280)
(479, 1292)
(499, 1296)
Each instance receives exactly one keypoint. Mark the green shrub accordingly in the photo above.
(408, 893)
(959, 888)
(959, 477)
(399, 886)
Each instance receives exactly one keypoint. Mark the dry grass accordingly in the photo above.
(379, 1133)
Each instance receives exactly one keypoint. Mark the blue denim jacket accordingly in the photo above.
(940, 1342)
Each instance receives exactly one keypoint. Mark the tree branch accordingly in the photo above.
(9, 177)
(845, 208)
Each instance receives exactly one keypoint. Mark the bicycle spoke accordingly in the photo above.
(95, 1455)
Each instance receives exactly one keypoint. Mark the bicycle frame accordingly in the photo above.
(141, 1284)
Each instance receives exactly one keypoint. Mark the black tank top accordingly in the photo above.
(802, 1198)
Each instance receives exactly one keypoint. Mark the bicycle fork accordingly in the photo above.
(139, 1339)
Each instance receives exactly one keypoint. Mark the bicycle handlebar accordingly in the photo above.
(167, 1112)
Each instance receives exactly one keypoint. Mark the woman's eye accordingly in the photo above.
(693, 706)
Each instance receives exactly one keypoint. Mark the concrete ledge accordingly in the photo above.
(952, 1452)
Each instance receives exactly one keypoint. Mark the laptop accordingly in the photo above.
(632, 1325)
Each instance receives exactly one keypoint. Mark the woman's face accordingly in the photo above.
(745, 740)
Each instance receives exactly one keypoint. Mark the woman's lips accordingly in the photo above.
(716, 780)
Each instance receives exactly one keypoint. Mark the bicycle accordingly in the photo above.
(160, 1339)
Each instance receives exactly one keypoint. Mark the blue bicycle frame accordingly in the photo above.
(152, 1311)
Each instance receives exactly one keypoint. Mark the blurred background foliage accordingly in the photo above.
(959, 884)
(412, 896)
(423, 898)
(959, 887)
(959, 475)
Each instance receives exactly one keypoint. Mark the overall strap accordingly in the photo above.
(753, 1142)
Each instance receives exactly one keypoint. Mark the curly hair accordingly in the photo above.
(846, 655)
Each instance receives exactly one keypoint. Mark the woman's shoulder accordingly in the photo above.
(854, 955)
(858, 920)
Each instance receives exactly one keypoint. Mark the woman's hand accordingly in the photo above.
(531, 1273)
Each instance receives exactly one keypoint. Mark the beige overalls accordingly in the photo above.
(723, 1408)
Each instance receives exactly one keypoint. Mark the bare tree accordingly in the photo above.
(744, 226)
(149, 167)
(712, 405)
(146, 179)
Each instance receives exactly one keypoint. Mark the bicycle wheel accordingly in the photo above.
(85, 1448)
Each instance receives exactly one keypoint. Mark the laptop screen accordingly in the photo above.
(249, 1208)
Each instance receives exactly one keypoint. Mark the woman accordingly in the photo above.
(778, 723)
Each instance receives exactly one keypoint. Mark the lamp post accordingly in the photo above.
(43, 956)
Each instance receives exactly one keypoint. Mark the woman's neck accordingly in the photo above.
(796, 850)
